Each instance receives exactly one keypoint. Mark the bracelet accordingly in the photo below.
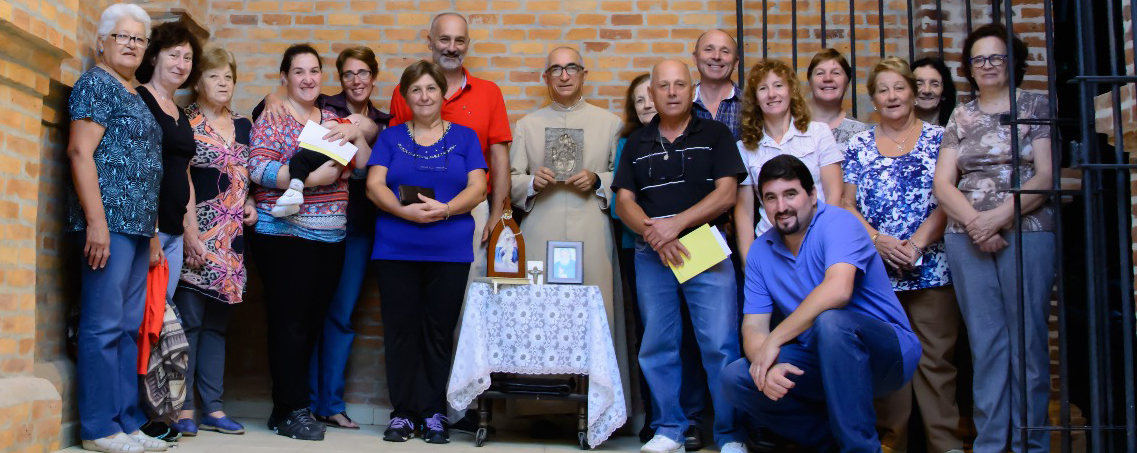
(874, 236)
(447, 212)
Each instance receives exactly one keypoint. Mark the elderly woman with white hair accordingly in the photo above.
(116, 166)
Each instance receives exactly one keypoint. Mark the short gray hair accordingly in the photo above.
(117, 11)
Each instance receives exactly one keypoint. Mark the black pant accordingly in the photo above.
(421, 302)
(304, 162)
(299, 277)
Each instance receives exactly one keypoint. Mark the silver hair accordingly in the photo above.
(441, 15)
(114, 13)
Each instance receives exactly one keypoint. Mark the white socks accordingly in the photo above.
(289, 203)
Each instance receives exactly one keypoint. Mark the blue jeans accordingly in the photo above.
(329, 359)
(985, 284)
(173, 247)
(111, 302)
(853, 359)
(711, 300)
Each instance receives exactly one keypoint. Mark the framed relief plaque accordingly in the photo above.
(506, 249)
(564, 151)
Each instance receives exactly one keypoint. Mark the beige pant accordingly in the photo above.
(481, 214)
(934, 315)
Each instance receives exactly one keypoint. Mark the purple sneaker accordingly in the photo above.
(435, 430)
(224, 425)
(399, 430)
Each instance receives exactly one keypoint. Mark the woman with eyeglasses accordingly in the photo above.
(299, 256)
(972, 183)
(115, 148)
(776, 120)
(357, 68)
(425, 175)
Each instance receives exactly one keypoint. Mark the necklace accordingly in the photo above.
(900, 144)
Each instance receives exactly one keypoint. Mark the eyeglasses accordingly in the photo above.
(361, 74)
(996, 60)
(571, 69)
(123, 39)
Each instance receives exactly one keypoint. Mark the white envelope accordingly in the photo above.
(312, 138)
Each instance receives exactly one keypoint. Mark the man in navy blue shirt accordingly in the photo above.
(677, 173)
(845, 338)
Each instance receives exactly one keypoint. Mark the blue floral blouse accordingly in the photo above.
(894, 194)
(128, 159)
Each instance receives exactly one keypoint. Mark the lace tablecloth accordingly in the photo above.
(540, 329)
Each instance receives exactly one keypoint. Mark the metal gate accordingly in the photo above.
(1094, 260)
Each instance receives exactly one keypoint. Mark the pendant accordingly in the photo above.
(666, 155)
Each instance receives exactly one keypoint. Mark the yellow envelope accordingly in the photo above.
(707, 247)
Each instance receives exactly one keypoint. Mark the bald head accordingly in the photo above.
(671, 89)
(562, 55)
(715, 56)
(448, 20)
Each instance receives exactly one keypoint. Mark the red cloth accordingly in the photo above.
(479, 106)
(154, 310)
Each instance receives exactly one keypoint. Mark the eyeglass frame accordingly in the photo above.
(981, 61)
(123, 39)
(351, 75)
(571, 68)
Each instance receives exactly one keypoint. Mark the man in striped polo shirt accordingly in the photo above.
(677, 173)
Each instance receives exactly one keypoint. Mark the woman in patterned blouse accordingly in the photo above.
(299, 256)
(888, 185)
(973, 178)
(214, 278)
(116, 166)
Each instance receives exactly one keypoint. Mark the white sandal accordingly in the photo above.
(149, 443)
(119, 443)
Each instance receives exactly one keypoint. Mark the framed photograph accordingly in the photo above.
(565, 262)
(506, 250)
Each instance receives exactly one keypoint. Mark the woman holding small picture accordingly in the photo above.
(425, 175)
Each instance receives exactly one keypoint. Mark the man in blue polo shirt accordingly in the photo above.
(845, 338)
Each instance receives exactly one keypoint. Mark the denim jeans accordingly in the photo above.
(329, 359)
(173, 247)
(985, 284)
(853, 358)
(712, 302)
(111, 302)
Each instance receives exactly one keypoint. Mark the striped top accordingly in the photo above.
(323, 216)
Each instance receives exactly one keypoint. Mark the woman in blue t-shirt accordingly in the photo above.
(425, 175)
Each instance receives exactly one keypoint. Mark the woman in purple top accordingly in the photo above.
(423, 248)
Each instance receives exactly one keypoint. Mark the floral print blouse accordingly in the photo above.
(983, 147)
(128, 159)
(894, 194)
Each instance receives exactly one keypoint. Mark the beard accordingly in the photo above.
(449, 61)
(792, 228)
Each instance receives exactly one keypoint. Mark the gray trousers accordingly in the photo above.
(204, 320)
(985, 285)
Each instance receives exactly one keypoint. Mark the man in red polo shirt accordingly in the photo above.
(474, 103)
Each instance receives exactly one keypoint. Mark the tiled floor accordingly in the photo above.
(259, 439)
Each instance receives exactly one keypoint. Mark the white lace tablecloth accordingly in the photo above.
(540, 329)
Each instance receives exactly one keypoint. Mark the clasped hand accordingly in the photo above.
(583, 180)
(430, 210)
(770, 378)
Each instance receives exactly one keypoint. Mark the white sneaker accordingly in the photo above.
(733, 447)
(149, 443)
(120, 443)
(661, 444)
